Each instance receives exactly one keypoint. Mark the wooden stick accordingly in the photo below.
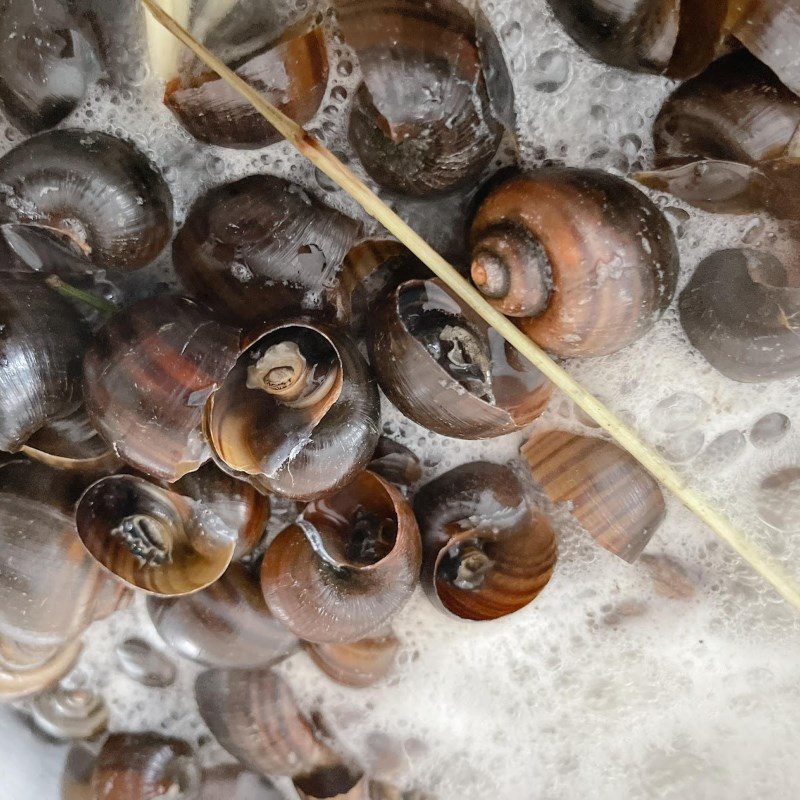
(322, 158)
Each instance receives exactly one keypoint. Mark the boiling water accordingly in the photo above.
(672, 678)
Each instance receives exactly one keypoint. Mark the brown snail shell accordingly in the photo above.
(739, 310)
(151, 538)
(147, 378)
(443, 367)
(726, 141)
(584, 259)
(29, 669)
(422, 121)
(46, 63)
(298, 413)
(261, 246)
(145, 766)
(346, 566)
(488, 550)
(51, 590)
(395, 463)
(226, 625)
(613, 498)
(93, 195)
(357, 664)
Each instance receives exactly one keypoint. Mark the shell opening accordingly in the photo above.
(148, 538)
(373, 537)
(466, 566)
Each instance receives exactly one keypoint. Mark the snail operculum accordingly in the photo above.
(147, 537)
(466, 564)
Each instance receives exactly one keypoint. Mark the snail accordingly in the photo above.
(94, 198)
(298, 413)
(612, 497)
(286, 62)
(147, 378)
(356, 664)
(51, 590)
(395, 463)
(258, 247)
(226, 625)
(582, 260)
(726, 141)
(422, 120)
(47, 63)
(346, 566)
(488, 549)
(443, 367)
(740, 310)
(70, 713)
(27, 669)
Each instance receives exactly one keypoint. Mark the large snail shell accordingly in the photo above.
(488, 550)
(226, 625)
(46, 63)
(147, 378)
(152, 538)
(42, 341)
(346, 566)
(93, 192)
(740, 310)
(422, 121)
(261, 246)
(584, 259)
(357, 664)
(298, 414)
(50, 588)
(675, 37)
(613, 499)
(145, 766)
(29, 669)
(726, 141)
(443, 367)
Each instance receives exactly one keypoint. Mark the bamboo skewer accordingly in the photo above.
(323, 159)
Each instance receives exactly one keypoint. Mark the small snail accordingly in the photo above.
(741, 310)
(298, 413)
(93, 197)
(257, 248)
(443, 367)
(395, 463)
(726, 141)
(612, 497)
(356, 664)
(346, 566)
(488, 550)
(147, 378)
(582, 260)
(64, 713)
(27, 669)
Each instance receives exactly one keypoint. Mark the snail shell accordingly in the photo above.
(261, 246)
(395, 463)
(50, 588)
(346, 566)
(443, 367)
(70, 713)
(29, 669)
(151, 538)
(726, 141)
(357, 664)
(147, 378)
(144, 664)
(422, 120)
(92, 194)
(613, 498)
(46, 63)
(298, 413)
(488, 550)
(226, 625)
(585, 260)
(739, 310)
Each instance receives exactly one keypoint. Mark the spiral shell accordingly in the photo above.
(356, 664)
(346, 566)
(28, 669)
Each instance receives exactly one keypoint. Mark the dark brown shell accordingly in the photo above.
(297, 452)
(226, 625)
(151, 538)
(740, 310)
(347, 566)
(418, 365)
(261, 247)
(613, 498)
(396, 463)
(356, 664)
(147, 378)
(727, 141)
(422, 121)
(585, 259)
(28, 669)
(51, 590)
(488, 549)
(95, 196)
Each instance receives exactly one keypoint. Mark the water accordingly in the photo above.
(667, 679)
